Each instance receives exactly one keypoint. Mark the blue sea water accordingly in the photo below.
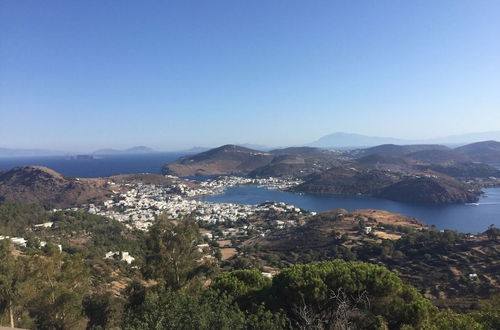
(106, 165)
(461, 217)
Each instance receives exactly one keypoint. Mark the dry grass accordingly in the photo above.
(386, 217)
(385, 235)
(228, 253)
(224, 243)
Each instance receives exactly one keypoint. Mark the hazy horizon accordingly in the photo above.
(80, 76)
(451, 140)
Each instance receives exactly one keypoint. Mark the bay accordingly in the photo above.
(461, 217)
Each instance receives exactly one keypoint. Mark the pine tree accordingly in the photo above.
(172, 252)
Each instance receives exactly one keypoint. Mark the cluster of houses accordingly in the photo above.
(140, 204)
(22, 242)
(219, 184)
(120, 255)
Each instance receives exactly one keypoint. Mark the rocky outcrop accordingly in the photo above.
(37, 184)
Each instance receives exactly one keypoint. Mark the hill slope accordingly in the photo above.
(436, 262)
(37, 184)
(396, 150)
(426, 188)
(486, 151)
(228, 159)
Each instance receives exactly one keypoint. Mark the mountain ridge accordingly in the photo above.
(354, 140)
(128, 151)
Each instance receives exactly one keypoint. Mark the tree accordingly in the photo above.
(103, 310)
(243, 285)
(488, 314)
(172, 252)
(312, 285)
(168, 309)
(448, 320)
(60, 282)
(9, 281)
(493, 233)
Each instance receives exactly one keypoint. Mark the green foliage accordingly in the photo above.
(448, 320)
(79, 232)
(429, 241)
(92, 235)
(493, 233)
(57, 284)
(10, 295)
(488, 314)
(43, 290)
(244, 285)
(15, 218)
(172, 252)
(313, 285)
(103, 310)
(176, 310)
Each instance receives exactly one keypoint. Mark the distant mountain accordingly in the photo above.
(259, 147)
(341, 140)
(7, 152)
(486, 151)
(351, 140)
(133, 150)
(402, 150)
(193, 150)
(302, 151)
(467, 138)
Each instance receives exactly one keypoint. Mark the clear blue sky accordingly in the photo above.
(79, 75)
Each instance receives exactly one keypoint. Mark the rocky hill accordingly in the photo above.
(463, 170)
(417, 153)
(432, 174)
(228, 159)
(486, 151)
(429, 188)
(401, 150)
(236, 160)
(438, 156)
(446, 161)
(348, 181)
(298, 162)
(37, 184)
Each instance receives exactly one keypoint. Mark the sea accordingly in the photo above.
(102, 166)
(467, 218)
(473, 218)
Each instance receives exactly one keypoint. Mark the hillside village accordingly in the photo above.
(139, 204)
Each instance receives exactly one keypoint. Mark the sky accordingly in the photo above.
(82, 75)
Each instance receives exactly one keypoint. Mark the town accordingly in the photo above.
(139, 204)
